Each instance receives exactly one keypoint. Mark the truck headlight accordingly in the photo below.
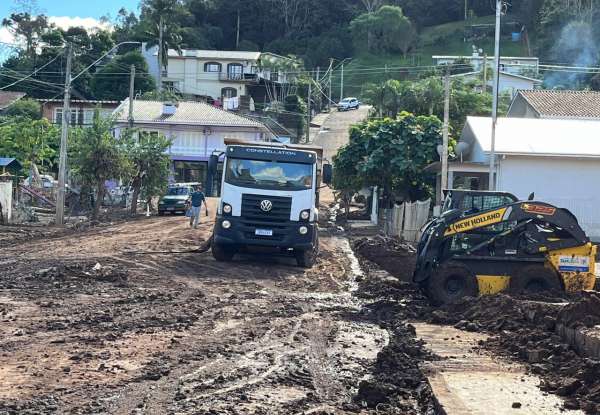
(181, 202)
(305, 214)
(303, 230)
(226, 208)
(226, 224)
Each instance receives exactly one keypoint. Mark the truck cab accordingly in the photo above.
(269, 198)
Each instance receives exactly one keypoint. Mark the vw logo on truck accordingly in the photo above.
(266, 205)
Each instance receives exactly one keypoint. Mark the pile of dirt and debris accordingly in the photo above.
(524, 330)
(397, 385)
(391, 254)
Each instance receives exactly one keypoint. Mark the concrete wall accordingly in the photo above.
(565, 182)
(6, 200)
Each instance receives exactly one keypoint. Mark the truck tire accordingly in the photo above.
(306, 258)
(534, 279)
(451, 282)
(222, 253)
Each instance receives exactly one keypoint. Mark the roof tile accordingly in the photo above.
(564, 104)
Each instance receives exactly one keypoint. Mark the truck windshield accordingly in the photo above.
(269, 174)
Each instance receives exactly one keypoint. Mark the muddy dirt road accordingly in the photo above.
(90, 327)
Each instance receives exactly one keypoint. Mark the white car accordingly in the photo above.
(348, 104)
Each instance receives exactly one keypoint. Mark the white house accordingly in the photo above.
(216, 75)
(195, 128)
(558, 160)
(508, 82)
(510, 64)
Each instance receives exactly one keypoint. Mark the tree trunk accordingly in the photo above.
(100, 189)
(136, 185)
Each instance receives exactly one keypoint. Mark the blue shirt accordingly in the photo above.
(197, 198)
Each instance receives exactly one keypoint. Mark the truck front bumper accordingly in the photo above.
(285, 235)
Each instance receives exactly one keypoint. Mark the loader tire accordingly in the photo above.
(534, 279)
(451, 282)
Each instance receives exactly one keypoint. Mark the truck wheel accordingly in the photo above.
(222, 253)
(307, 258)
(451, 282)
(534, 279)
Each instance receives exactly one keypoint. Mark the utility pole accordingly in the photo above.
(131, 95)
(445, 133)
(308, 110)
(64, 135)
(342, 83)
(160, 53)
(484, 86)
(329, 89)
(492, 181)
(466, 9)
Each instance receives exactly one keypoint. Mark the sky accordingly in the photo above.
(67, 13)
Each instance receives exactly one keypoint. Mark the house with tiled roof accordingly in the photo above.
(555, 104)
(7, 98)
(196, 130)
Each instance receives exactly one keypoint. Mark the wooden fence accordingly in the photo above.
(405, 221)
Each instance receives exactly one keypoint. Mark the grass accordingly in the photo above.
(445, 39)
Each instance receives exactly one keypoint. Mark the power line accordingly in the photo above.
(33, 73)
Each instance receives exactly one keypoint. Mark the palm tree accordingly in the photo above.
(164, 31)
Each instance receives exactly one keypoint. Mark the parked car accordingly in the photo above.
(176, 199)
(348, 104)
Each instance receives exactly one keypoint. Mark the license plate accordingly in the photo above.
(263, 232)
(170, 208)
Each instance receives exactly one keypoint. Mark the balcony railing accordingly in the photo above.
(238, 77)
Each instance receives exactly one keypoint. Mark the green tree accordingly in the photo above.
(28, 108)
(148, 164)
(97, 156)
(385, 30)
(33, 142)
(112, 81)
(390, 153)
(28, 28)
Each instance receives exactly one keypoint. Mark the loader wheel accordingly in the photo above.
(451, 282)
(222, 253)
(534, 279)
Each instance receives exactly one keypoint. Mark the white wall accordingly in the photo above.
(193, 142)
(565, 182)
(6, 200)
(512, 85)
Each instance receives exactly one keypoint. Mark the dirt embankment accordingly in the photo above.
(522, 329)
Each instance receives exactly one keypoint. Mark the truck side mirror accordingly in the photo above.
(327, 173)
(213, 162)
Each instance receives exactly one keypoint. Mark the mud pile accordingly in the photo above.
(524, 330)
(391, 254)
(397, 385)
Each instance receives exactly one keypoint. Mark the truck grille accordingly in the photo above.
(277, 219)
(251, 211)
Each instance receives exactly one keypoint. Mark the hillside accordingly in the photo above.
(445, 39)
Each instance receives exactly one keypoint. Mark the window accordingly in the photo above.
(235, 71)
(88, 116)
(229, 92)
(76, 116)
(212, 67)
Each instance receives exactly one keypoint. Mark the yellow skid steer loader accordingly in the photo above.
(488, 242)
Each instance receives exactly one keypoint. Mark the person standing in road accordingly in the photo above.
(197, 198)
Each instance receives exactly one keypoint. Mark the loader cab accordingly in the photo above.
(470, 202)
